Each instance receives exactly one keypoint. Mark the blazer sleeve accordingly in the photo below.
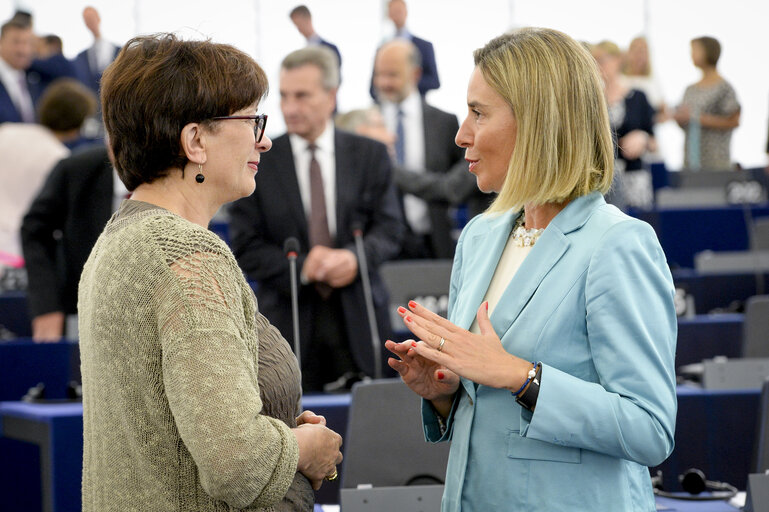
(631, 328)
(430, 422)
(45, 216)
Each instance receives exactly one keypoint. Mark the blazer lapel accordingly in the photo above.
(550, 247)
(482, 265)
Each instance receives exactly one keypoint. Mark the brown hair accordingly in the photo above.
(157, 85)
(711, 47)
(563, 147)
(65, 105)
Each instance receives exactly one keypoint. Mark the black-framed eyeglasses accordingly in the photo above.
(260, 122)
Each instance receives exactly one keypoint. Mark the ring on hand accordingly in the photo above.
(333, 477)
(440, 345)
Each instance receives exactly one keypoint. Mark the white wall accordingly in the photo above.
(456, 27)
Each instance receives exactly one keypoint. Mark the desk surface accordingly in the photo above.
(41, 412)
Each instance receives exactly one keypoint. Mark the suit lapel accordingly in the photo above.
(285, 175)
(346, 181)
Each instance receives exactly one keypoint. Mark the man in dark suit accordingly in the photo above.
(318, 184)
(58, 232)
(302, 18)
(397, 12)
(90, 63)
(19, 90)
(426, 157)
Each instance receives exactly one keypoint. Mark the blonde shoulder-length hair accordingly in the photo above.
(563, 147)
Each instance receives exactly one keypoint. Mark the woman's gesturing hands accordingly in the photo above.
(448, 350)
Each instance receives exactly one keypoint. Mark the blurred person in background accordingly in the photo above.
(19, 91)
(632, 122)
(424, 150)
(709, 112)
(30, 151)
(637, 72)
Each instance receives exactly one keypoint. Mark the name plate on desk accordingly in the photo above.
(757, 499)
(413, 498)
(735, 373)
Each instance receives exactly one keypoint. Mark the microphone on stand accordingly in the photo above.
(357, 232)
(291, 248)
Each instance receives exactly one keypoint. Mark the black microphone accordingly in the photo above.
(291, 248)
(357, 232)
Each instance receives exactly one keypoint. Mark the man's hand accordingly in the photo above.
(335, 267)
(48, 327)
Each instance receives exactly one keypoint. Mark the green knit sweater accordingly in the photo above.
(188, 392)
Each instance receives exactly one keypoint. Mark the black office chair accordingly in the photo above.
(426, 281)
(755, 329)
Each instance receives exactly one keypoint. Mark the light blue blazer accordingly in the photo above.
(593, 301)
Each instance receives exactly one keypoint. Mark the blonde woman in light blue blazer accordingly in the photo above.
(553, 376)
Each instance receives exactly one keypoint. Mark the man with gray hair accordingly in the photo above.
(430, 169)
(320, 185)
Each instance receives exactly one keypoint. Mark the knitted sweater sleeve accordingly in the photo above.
(210, 377)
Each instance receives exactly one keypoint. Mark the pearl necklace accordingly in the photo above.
(523, 237)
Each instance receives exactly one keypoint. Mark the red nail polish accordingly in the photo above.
(440, 375)
(401, 309)
(412, 304)
(487, 305)
(414, 344)
(408, 319)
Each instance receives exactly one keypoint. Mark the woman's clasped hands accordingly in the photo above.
(319, 448)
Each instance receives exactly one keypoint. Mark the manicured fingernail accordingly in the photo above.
(408, 319)
(440, 375)
(401, 309)
(487, 305)
(412, 304)
(414, 344)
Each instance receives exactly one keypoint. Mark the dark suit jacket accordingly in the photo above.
(334, 49)
(87, 75)
(429, 78)
(445, 182)
(260, 224)
(8, 111)
(52, 68)
(61, 227)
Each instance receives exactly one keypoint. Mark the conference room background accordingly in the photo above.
(456, 27)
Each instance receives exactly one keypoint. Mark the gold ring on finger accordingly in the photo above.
(333, 477)
(440, 345)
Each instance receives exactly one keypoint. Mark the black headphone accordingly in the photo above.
(694, 482)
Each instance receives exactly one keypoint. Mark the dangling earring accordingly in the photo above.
(199, 177)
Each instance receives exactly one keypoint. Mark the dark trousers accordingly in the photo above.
(328, 355)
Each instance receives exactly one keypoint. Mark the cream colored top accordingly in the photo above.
(509, 263)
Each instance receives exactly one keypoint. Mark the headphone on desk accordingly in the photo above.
(694, 482)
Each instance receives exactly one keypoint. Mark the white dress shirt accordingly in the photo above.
(416, 209)
(326, 157)
(100, 54)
